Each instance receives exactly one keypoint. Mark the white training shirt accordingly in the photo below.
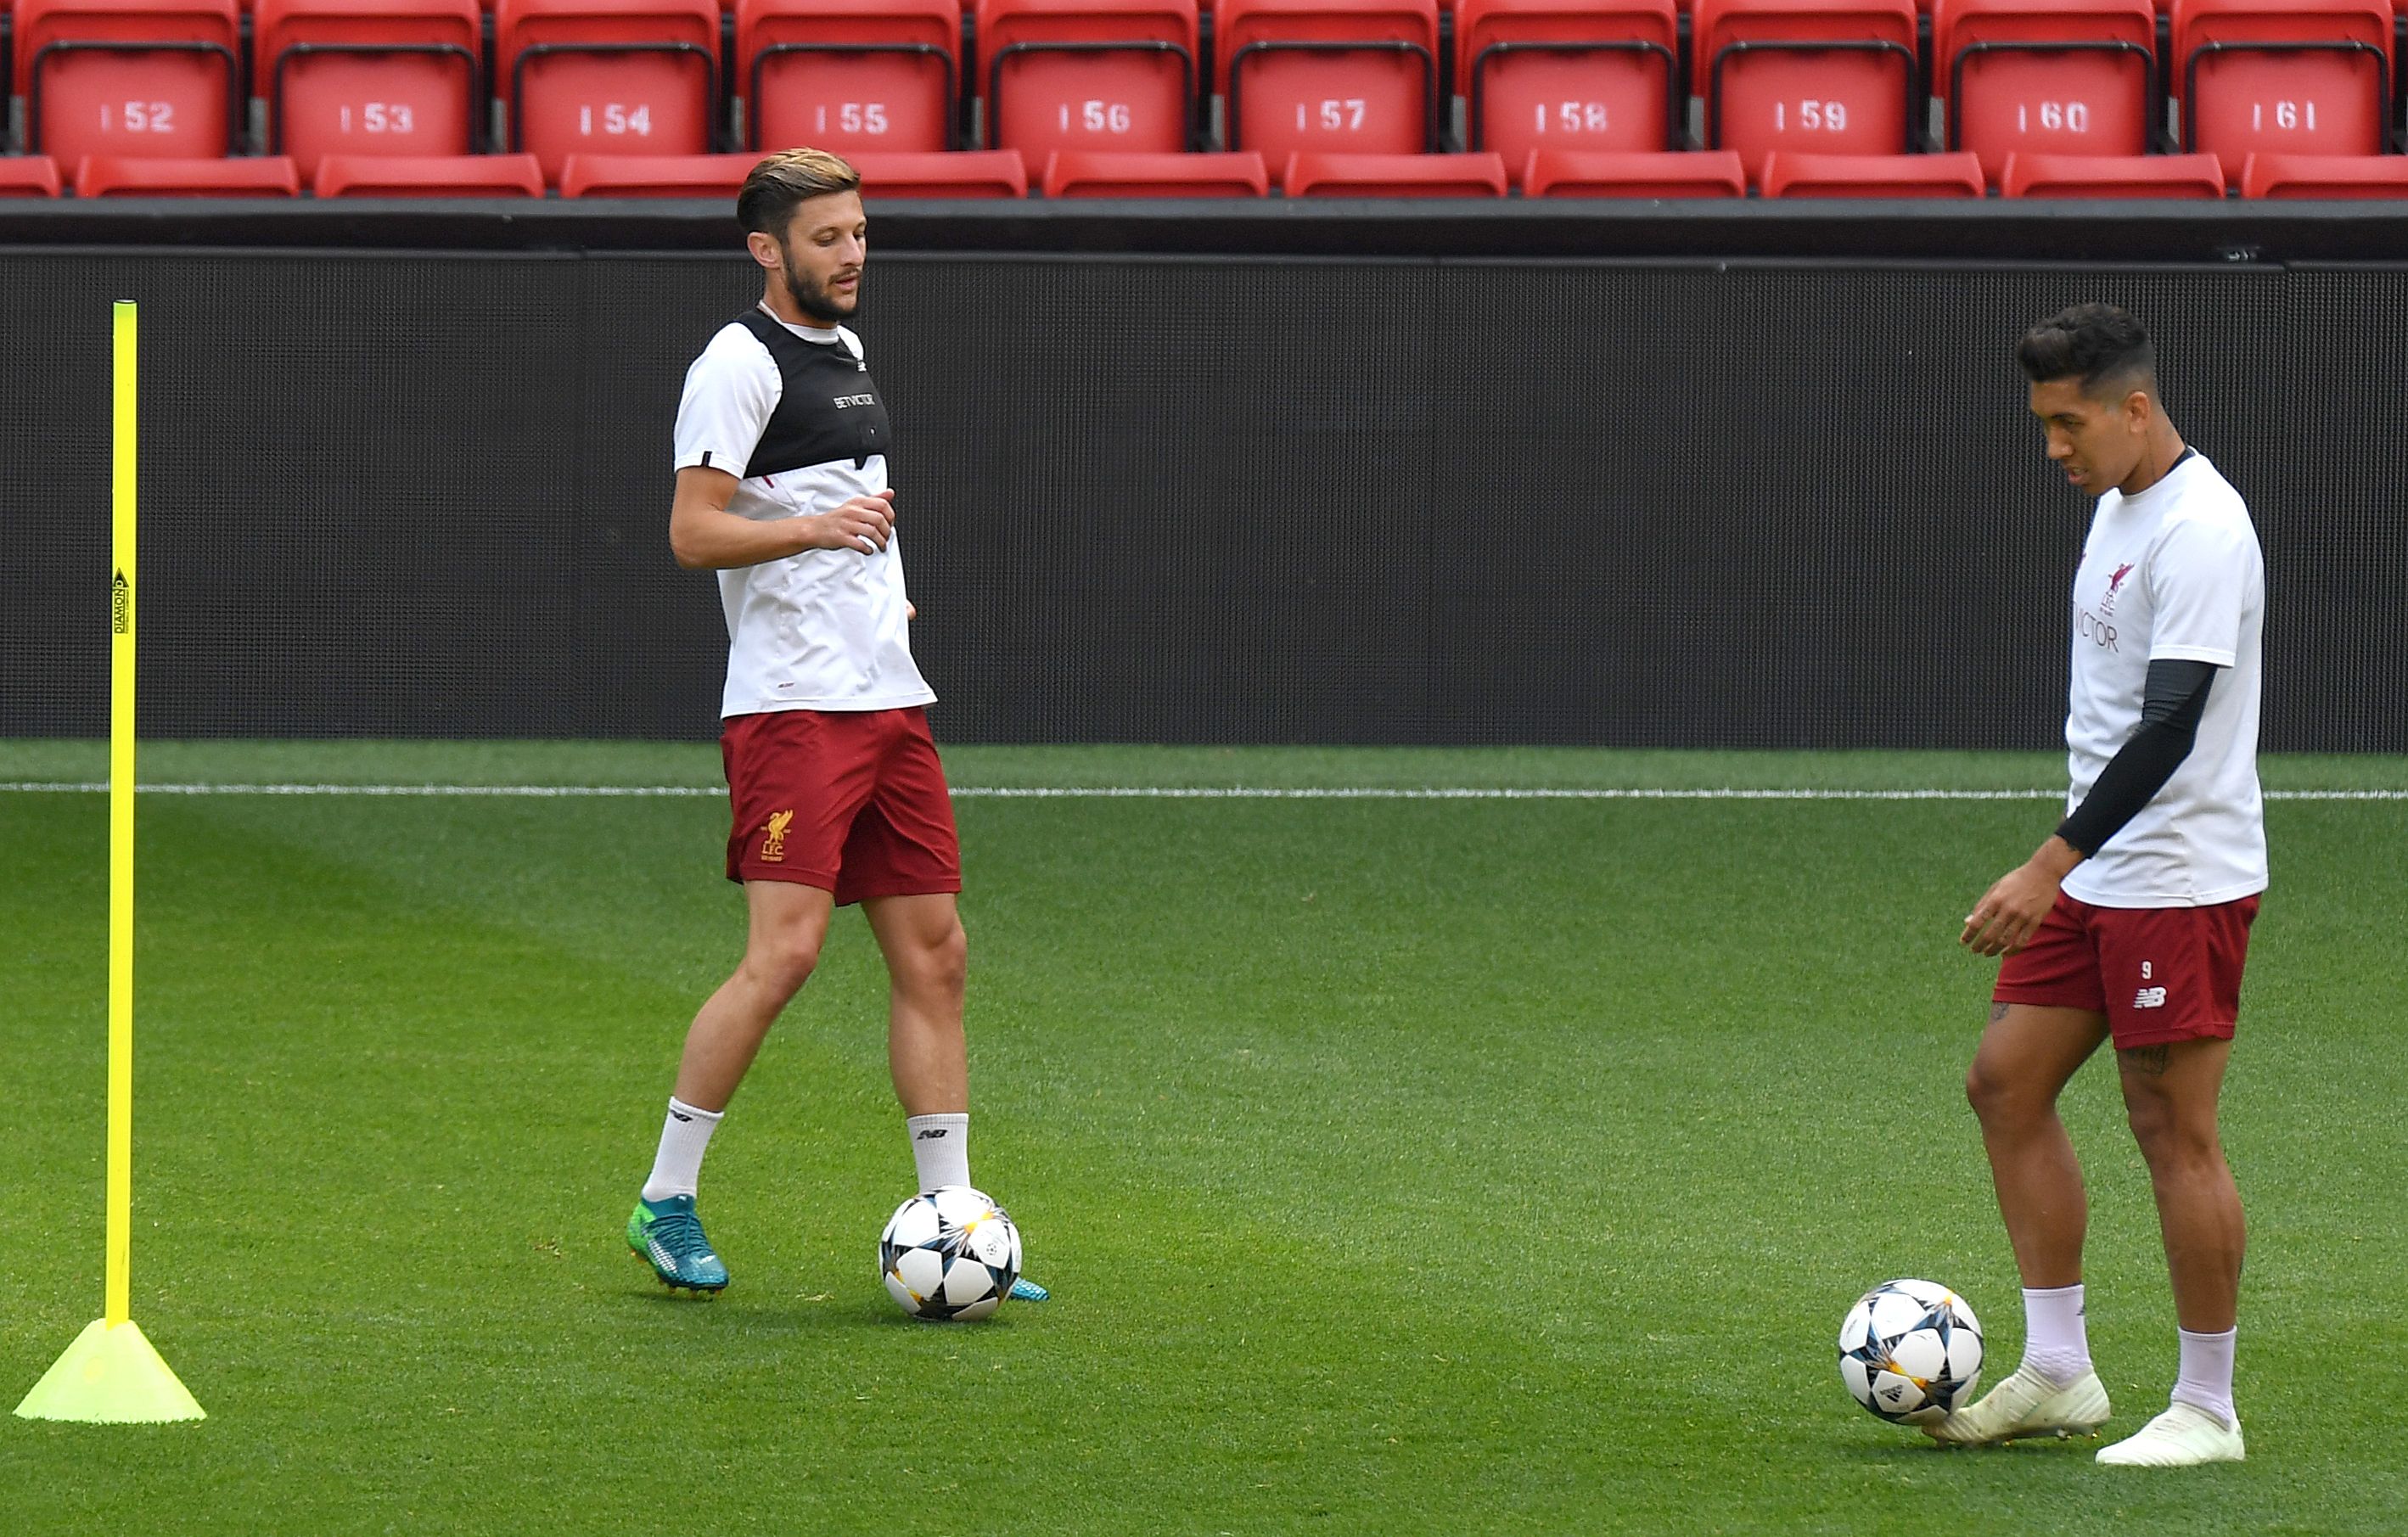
(824, 629)
(2172, 573)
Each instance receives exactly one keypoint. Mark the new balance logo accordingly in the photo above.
(680, 1115)
(936, 1133)
(2149, 997)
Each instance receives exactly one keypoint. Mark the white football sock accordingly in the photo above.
(684, 1137)
(2205, 1381)
(2056, 1344)
(941, 1148)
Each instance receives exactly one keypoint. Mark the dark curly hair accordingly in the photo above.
(2098, 344)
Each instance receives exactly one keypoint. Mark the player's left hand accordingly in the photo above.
(2010, 912)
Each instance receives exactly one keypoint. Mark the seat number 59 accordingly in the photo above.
(1813, 116)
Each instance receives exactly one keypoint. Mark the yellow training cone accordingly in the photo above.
(109, 1376)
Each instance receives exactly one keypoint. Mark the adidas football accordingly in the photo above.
(949, 1254)
(1911, 1351)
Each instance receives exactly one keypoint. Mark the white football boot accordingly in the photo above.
(2027, 1405)
(2185, 1436)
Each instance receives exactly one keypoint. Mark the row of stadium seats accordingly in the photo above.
(1003, 173)
(157, 78)
(2165, 8)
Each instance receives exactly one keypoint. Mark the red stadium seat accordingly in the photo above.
(1587, 172)
(131, 176)
(29, 176)
(2112, 175)
(2293, 77)
(1826, 77)
(1103, 74)
(1349, 76)
(1789, 174)
(961, 173)
(1071, 173)
(654, 176)
(848, 75)
(2323, 176)
(2046, 76)
(965, 173)
(368, 77)
(1600, 75)
(149, 78)
(428, 176)
(1318, 175)
(610, 78)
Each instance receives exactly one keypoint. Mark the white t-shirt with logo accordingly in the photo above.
(823, 629)
(2174, 571)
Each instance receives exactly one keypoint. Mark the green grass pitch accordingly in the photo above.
(1448, 1167)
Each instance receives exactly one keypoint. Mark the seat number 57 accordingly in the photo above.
(1332, 114)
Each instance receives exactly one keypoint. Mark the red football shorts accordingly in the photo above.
(850, 801)
(2158, 974)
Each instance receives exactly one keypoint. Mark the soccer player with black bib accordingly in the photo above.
(2130, 924)
(838, 795)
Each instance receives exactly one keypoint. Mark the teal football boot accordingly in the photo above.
(1026, 1290)
(668, 1235)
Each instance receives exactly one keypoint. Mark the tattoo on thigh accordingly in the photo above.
(1997, 1013)
(2147, 1059)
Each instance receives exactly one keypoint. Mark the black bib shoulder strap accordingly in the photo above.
(772, 334)
(829, 409)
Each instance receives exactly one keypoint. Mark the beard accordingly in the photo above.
(812, 298)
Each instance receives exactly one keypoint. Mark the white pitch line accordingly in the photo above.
(1122, 791)
(537, 792)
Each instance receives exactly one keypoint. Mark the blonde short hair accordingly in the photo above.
(785, 182)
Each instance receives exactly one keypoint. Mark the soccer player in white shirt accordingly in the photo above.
(2131, 922)
(837, 790)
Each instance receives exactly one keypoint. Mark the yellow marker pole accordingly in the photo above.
(118, 1291)
(111, 1374)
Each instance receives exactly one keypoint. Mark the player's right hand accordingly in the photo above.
(861, 522)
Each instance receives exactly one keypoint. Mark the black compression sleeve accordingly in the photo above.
(2172, 702)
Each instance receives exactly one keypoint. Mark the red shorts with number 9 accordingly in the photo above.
(2158, 974)
(850, 801)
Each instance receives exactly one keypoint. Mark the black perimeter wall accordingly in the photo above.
(1171, 499)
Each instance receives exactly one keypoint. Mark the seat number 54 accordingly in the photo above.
(615, 117)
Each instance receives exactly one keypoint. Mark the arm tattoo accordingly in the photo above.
(1997, 1013)
(2145, 1059)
